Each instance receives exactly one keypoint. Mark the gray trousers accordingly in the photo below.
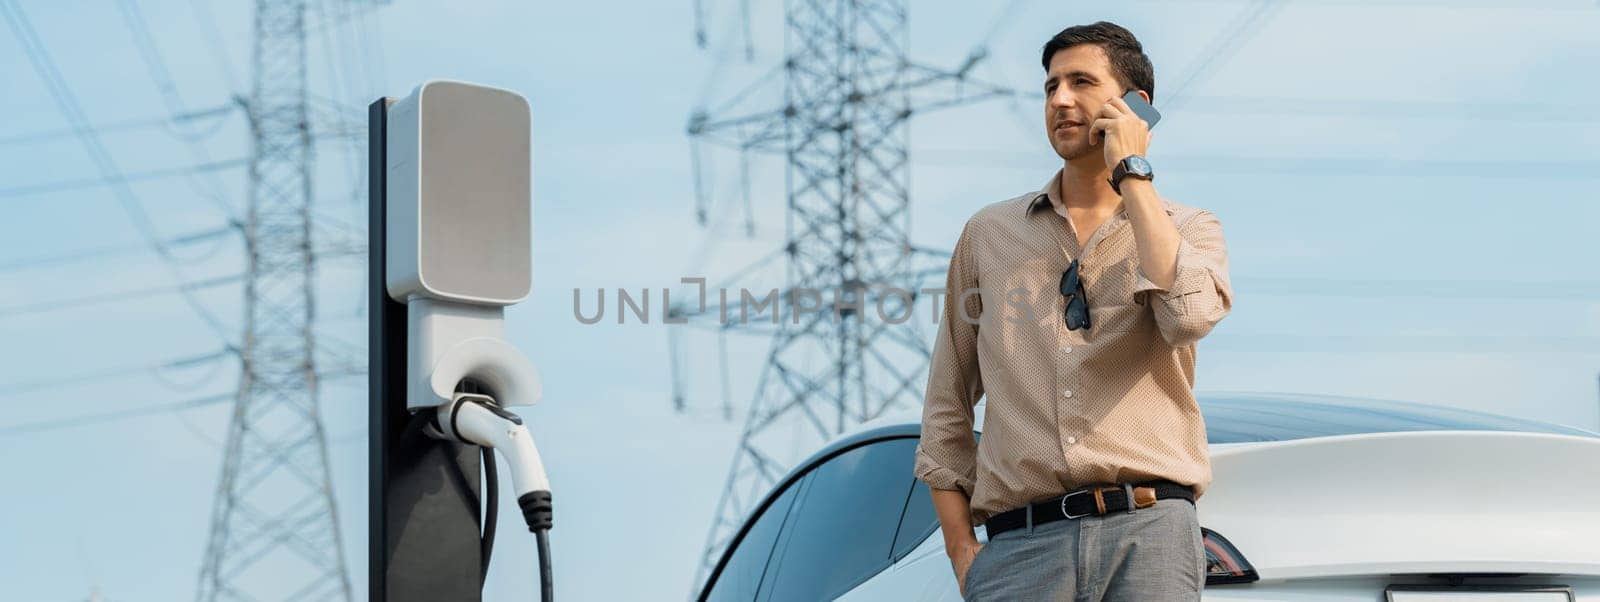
(1153, 554)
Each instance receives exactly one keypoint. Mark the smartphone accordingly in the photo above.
(1146, 112)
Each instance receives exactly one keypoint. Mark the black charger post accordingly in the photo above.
(423, 494)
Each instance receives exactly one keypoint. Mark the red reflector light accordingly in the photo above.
(1224, 563)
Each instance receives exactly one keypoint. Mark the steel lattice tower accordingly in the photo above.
(274, 525)
(849, 91)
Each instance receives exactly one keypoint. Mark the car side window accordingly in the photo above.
(917, 523)
(842, 529)
(741, 576)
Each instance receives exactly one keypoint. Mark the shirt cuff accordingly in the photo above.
(1191, 277)
(939, 477)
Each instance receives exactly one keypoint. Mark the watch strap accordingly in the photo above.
(1121, 171)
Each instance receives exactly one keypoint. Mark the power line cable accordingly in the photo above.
(336, 76)
(186, 289)
(29, 428)
(1223, 164)
(107, 250)
(213, 37)
(67, 101)
(371, 34)
(1368, 108)
(150, 54)
(124, 125)
(1220, 50)
(120, 178)
(12, 389)
(1460, 290)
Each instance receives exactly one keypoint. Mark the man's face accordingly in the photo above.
(1078, 82)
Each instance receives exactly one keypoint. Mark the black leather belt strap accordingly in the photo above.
(1098, 500)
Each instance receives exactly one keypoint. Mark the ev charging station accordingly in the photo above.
(450, 234)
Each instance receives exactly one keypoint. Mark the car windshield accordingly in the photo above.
(1246, 417)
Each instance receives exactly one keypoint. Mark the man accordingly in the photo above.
(1093, 448)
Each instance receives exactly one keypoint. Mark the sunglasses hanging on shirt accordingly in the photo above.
(1077, 313)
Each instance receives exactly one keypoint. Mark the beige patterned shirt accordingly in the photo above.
(1068, 408)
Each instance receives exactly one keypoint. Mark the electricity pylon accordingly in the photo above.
(274, 525)
(849, 93)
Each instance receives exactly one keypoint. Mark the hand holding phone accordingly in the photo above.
(1124, 144)
(1141, 108)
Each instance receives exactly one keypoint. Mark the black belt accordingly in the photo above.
(1089, 501)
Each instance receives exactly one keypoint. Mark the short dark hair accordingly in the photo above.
(1128, 61)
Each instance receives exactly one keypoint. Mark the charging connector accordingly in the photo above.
(475, 418)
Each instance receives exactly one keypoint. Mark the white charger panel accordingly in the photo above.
(459, 195)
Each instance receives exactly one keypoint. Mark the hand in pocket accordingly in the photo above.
(962, 562)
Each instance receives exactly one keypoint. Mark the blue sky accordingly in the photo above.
(1408, 190)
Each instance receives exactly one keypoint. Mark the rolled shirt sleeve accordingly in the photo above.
(947, 454)
(1201, 294)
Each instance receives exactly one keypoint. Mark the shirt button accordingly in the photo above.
(1067, 393)
(1072, 440)
(1065, 349)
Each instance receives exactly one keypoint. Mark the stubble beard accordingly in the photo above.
(1072, 149)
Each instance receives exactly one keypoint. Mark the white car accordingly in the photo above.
(1313, 498)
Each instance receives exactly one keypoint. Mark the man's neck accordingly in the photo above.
(1084, 185)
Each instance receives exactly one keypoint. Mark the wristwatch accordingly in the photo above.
(1133, 166)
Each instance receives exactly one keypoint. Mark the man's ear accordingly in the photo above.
(1146, 97)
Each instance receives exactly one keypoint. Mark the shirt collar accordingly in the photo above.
(1051, 195)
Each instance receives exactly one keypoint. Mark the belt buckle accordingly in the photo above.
(1064, 499)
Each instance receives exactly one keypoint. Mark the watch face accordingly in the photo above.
(1138, 166)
